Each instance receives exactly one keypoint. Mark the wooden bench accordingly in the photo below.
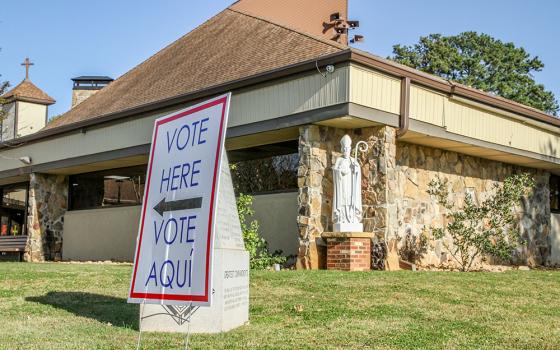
(13, 244)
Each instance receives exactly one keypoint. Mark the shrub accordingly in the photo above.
(488, 229)
(413, 247)
(260, 256)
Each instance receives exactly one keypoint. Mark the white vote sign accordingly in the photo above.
(173, 259)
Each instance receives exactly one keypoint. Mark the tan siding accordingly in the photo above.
(372, 89)
(427, 106)
(266, 101)
(481, 124)
(491, 127)
(270, 101)
(376, 90)
(31, 118)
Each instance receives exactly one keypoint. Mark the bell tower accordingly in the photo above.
(25, 108)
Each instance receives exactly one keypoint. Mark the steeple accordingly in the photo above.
(27, 91)
(25, 107)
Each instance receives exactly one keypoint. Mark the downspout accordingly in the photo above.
(404, 117)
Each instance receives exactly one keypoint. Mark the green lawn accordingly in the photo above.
(78, 306)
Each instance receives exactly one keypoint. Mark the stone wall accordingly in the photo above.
(314, 199)
(416, 166)
(48, 199)
(395, 178)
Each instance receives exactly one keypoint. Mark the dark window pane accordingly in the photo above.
(14, 197)
(12, 210)
(270, 174)
(115, 187)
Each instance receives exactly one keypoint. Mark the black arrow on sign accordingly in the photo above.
(182, 204)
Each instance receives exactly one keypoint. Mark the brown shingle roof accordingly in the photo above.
(230, 46)
(26, 90)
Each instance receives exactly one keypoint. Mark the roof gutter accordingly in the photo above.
(450, 88)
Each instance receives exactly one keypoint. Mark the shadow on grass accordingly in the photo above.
(103, 308)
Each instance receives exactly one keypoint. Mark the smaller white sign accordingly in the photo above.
(173, 259)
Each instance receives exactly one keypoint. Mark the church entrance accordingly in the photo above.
(13, 216)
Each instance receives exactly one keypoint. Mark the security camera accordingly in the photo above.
(330, 68)
(25, 160)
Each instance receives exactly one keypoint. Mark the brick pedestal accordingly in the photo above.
(348, 251)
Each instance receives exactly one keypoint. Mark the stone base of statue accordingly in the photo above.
(347, 227)
(348, 251)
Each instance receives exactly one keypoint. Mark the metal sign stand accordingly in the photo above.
(140, 325)
(182, 318)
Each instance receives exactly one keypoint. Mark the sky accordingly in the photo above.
(69, 38)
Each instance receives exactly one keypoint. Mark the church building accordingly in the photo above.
(298, 86)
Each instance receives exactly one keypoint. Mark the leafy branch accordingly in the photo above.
(488, 229)
(483, 62)
(3, 87)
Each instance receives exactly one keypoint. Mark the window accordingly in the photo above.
(108, 188)
(264, 169)
(13, 209)
(555, 194)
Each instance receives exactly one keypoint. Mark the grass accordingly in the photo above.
(80, 306)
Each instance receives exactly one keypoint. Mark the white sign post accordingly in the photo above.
(190, 251)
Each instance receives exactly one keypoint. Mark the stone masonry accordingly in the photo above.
(48, 198)
(395, 178)
(416, 166)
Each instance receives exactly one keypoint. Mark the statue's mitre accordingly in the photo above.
(346, 141)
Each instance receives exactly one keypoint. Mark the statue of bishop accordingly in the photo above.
(347, 201)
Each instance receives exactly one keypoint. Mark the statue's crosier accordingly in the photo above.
(347, 202)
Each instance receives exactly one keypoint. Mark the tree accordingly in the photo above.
(488, 229)
(3, 87)
(482, 62)
(53, 118)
